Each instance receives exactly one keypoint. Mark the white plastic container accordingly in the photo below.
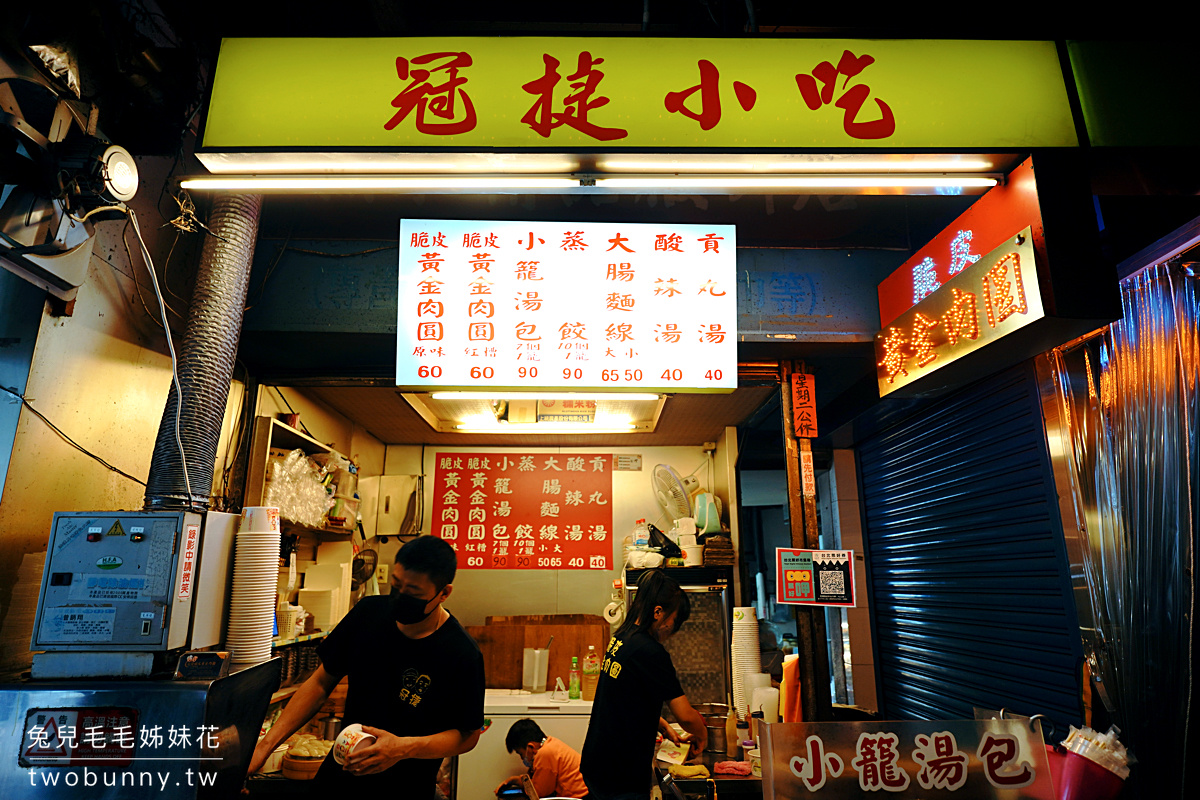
(533, 672)
(350, 737)
(274, 762)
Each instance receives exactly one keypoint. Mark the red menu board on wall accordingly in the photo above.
(525, 510)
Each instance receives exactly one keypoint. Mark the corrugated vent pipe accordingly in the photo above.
(206, 359)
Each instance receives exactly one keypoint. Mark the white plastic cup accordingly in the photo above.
(693, 555)
(259, 519)
(350, 737)
(765, 699)
(533, 672)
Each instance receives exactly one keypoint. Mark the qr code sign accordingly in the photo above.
(833, 582)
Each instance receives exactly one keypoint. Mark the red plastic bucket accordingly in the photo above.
(1084, 779)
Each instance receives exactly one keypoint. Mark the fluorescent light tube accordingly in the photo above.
(521, 429)
(801, 166)
(797, 182)
(369, 183)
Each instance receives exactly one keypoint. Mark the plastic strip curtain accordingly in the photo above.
(1131, 400)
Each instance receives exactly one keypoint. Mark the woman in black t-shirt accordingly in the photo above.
(636, 678)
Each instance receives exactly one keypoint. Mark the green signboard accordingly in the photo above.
(541, 92)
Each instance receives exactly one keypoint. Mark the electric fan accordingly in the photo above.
(670, 492)
(706, 506)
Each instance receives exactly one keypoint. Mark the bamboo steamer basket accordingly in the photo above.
(300, 768)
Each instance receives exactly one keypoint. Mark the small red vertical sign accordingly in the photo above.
(804, 405)
(191, 541)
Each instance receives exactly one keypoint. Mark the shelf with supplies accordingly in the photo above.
(272, 436)
(280, 641)
(287, 525)
(283, 694)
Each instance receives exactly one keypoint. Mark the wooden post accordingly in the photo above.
(802, 516)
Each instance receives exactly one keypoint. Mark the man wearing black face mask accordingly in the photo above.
(416, 681)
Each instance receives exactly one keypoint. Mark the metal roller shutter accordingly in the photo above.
(967, 568)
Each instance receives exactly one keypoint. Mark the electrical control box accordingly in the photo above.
(118, 581)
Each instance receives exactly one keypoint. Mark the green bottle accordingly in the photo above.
(573, 688)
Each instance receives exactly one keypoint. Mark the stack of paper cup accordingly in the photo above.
(255, 574)
(746, 657)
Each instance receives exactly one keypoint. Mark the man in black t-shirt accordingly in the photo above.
(416, 681)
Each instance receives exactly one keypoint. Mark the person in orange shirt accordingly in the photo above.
(553, 765)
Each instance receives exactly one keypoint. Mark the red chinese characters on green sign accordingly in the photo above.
(435, 96)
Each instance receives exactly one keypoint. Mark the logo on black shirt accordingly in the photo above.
(414, 688)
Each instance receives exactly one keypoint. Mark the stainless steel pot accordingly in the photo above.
(714, 715)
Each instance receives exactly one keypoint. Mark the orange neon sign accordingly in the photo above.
(985, 301)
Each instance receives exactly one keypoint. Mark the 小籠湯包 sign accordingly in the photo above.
(906, 759)
(540, 92)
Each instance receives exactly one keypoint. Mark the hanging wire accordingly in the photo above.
(25, 402)
(292, 410)
(237, 431)
(162, 307)
(137, 285)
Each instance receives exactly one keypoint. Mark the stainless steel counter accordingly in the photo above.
(132, 738)
(725, 784)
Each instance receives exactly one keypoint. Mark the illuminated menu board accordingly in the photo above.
(566, 305)
(525, 510)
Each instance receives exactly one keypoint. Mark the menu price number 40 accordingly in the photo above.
(677, 375)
